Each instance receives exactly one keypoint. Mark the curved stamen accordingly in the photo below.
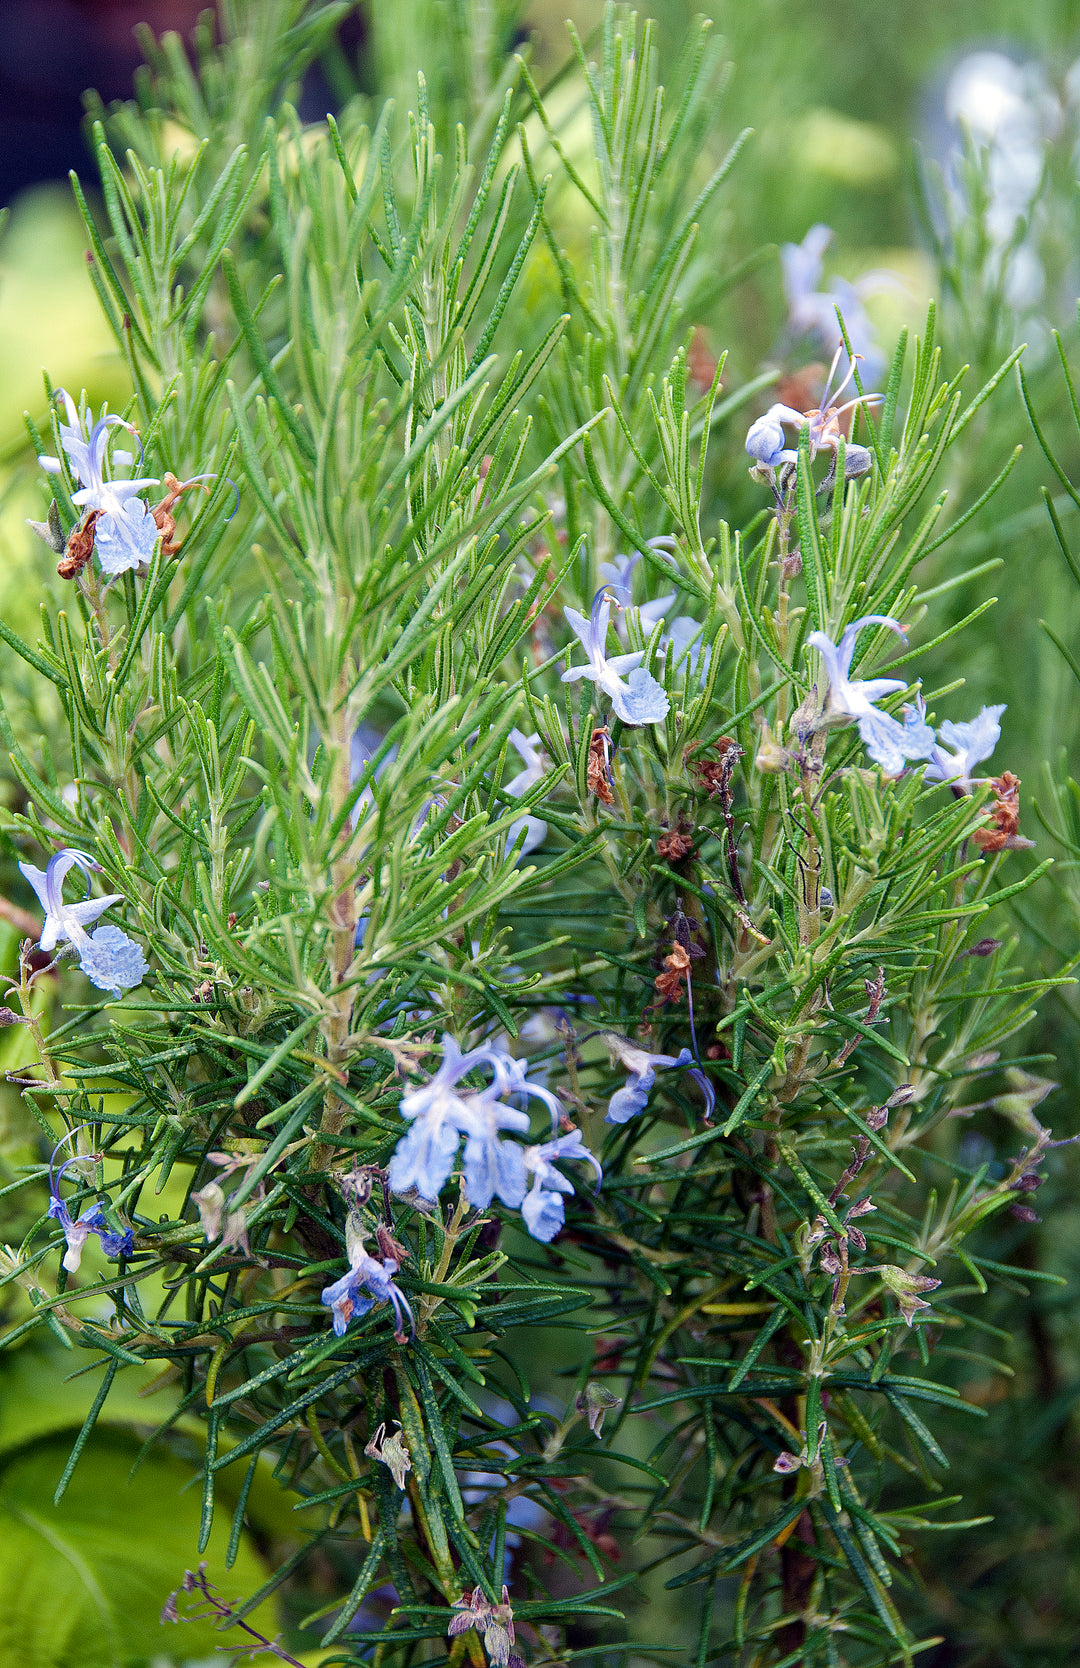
(63, 1141)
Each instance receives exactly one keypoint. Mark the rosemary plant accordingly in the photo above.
(550, 930)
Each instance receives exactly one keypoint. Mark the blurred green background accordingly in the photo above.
(848, 100)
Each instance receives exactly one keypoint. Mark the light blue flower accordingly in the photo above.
(888, 742)
(543, 1207)
(109, 958)
(639, 700)
(919, 738)
(92, 1221)
(683, 641)
(494, 1167)
(440, 1115)
(641, 1067)
(344, 1298)
(766, 440)
(125, 532)
(968, 743)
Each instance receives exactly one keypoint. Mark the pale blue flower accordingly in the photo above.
(968, 745)
(92, 1221)
(511, 1078)
(492, 1166)
(641, 1067)
(109, 958)
(887, 741)
(919, 738)
(618, 575)
(639, 700)
(683, 640)
(543, 1207)
(366, 1274)
(765, 438)
(125, 532)
(441, 1114)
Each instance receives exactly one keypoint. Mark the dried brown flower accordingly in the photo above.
(80, 546)
(669, 984)
(714, 775)
(1005, 834)
(598, 776)
(674, 846)
(164, 519)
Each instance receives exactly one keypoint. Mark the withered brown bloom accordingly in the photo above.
(598, 774)
(164, 519)
(1005, 834)
(80, 547)
(674, 845)
(669, 984)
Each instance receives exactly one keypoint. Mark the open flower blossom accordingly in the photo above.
(528, 749)
(109, 958)
(888, 742)
(637, 700)
(441, 1113)
(641, 1068)
(957, 748)
(125, 532)
(543, 1207)
(766, 441)
(368, 1275)
(92, 1221)
(494, 1621)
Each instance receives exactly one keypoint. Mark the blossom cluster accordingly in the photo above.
(443, 1111)
(951, 756)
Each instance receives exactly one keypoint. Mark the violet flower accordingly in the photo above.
(639, 700)
(368, 1274)
(641, 1067)
(126, 532)
(109, 958)
(888, 742)
(766, 440)
(543, 1207)
(92, 1220)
